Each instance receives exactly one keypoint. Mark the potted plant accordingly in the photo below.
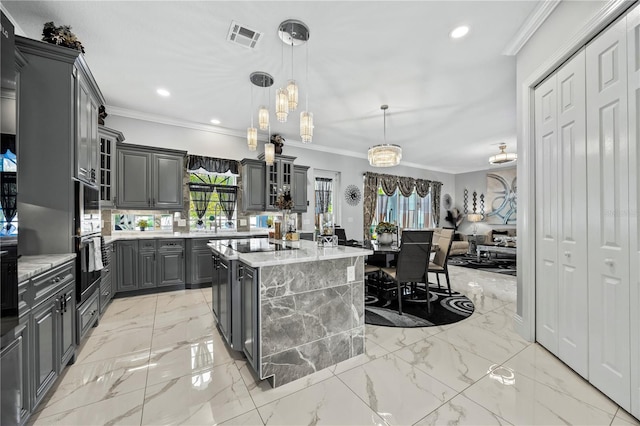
(142, 223)
(384, 231)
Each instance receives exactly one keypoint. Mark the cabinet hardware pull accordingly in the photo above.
(609, 261)
(148, 201)
(567, 253)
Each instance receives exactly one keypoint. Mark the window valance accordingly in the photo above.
(406, 186)
(212, 164)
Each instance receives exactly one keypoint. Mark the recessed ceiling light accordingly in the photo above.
(163, 92)
(459, 32)
(215, 121)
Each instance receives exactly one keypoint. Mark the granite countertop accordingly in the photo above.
(308, 252)
(28, 266)
(124, 235)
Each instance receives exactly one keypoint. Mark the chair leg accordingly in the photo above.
(438, 278)
(446, 274)
(399, 299)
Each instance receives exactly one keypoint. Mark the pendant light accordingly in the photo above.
(292, 87)
(306, 117)
(260, 79)
(385, 155)
(282, 105)
(252, 132)
(504, 157)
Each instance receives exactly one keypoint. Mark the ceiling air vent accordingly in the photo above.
(243, 35)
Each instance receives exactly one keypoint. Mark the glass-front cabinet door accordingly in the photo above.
(108, 140)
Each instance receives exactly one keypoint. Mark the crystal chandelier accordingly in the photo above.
(269, 153)
(504, 157)
(252, 138)
(385, 155)
(282, 105)
(306, 126)
(263, 118)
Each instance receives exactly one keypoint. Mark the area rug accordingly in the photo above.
(382, 309)
(500, 265)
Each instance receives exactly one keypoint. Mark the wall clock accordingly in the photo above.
(352, 194)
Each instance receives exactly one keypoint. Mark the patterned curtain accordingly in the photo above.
(388, 183)
(211, 164)
(406, 185)
(422, 187)
(324, 186)
(369, 202)
(436, 187)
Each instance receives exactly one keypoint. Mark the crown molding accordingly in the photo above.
(530, 26)
(17, 30)
(169, 121)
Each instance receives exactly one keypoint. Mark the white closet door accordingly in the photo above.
(546, 125)
(608, 225)
(572, 185)
(633, 58)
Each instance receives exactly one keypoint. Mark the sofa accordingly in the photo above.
(461, 242)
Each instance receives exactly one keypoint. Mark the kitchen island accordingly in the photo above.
(302, 307)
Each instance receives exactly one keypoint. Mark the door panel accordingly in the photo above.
(167, 181)
(147, 266)
(171, 268)
(546, 214)
(133, 179)
(224, 294)
(127, 265)
(608, 224)
(572, 255)
(633, 79)
(44, 331)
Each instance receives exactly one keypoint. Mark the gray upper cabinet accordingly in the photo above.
(108, 140)
(253, 184)
(57, 126)
(300, 189)
(149, 178)
(261, 183)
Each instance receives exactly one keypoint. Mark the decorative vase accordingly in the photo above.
(385, 238)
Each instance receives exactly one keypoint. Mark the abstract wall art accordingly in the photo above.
(501, 199)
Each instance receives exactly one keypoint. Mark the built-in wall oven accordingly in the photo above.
(87, 224)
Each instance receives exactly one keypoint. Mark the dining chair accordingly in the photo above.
(342, 236)
(412, 264)
(439, 264)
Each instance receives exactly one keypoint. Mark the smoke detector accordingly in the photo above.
(243, 35)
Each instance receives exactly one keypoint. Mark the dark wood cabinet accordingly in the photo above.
(149, 178)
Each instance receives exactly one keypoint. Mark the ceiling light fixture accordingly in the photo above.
(163, 92)
(269, 153)
(385, 155)
(215, 121)
(504, 157)
(459, 32)
(260, 79)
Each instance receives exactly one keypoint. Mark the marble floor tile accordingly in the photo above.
(467, 280)
(124, 409)
(128, 308)
(393, 338)
(261, 391)
(494, 346)
(192, 358)
(207, 293)
(329, 402)
(252, 418)
(183, 329)
(210, 398)
(453, 366)
(396, 390)
(461, 411)
(180, 299)
(538, 364)
(83, 384)
(371, 352)
(115, 324)
(523, 401)
(111, 345)
(623, 418)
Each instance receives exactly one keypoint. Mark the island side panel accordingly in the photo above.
(311, 317)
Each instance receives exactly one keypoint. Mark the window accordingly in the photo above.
(213, 200)
(411, 212)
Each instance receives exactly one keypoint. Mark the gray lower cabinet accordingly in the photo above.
(149, 178)
(53, 325)
(127, 265)
(88, 315)
(15, 373)
(221, 284)
(170, 267)
(248, 278)
(199, 264)
(107, 287)
(147, 269)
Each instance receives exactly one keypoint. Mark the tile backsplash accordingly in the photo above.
(127, 220)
